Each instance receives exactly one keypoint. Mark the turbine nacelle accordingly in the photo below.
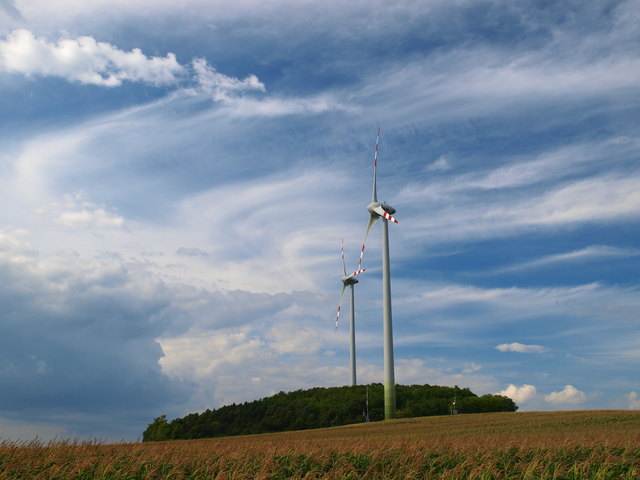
(377, 208)
(388, 208)
(349, 279)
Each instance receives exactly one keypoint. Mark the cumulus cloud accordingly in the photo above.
(76, 211)
(440, 165)
(520, 348)
(218, 363)
(521, 394)
(633, 400)
(569, 395)
(98, 217)
(290, 338)
(438, 372)
(202, 355)
(81, 332)
(231, 92)
(85, 60)
(220, 86)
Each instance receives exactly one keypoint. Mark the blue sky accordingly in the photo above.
(175, 179)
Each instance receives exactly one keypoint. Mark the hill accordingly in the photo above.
(322, 407)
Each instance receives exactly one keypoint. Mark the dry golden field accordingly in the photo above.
(533, 445)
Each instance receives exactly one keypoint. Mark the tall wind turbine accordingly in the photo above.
(350, 280)
(377, 210)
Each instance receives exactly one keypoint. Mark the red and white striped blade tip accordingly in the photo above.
(358, 272)
(389, 217)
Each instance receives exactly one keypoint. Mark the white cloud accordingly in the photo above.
(76, 211)
(591, 199)
(418, 371)
(521, 348)
(280, 106)
(290, 338)
(219, 86)
(521, 394)
(568, 395)
(601, 199)
(239, 364)
(471, 367)
(440, 165)
(199, 356)
(85, 60)
(633, 400)
(552, 165)
(484, 81)
(590, 252)
(517, 299)
(97, 217)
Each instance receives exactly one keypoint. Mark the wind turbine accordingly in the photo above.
(350, 281)
(377, 210)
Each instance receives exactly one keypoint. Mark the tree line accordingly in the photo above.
(322, 407)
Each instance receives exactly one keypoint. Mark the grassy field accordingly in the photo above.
(533, 445)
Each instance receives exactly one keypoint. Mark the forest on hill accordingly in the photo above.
(322, 407)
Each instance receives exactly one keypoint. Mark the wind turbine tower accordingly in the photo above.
(350, 281)
(377, 210)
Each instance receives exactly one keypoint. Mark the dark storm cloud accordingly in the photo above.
(78, 336)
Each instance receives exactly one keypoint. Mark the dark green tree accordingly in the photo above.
(321, 407)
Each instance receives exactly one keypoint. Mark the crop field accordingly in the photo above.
(533, 445)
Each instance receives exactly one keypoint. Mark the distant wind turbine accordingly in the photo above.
(350, 280)
(377, 210)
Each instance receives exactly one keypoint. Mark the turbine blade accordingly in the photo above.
(389, 217)
(374, 195)
(358, 272)
(344, 287)
(344, 269)
(372, 221)
(380, 211)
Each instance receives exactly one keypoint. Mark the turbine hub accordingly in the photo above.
(349, 280)
(372, 206)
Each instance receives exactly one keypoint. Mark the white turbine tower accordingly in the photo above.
(350, 280)
(377, 210)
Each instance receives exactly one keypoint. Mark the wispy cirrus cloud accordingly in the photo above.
(597, 199)
(521, 348)
(589, 253)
